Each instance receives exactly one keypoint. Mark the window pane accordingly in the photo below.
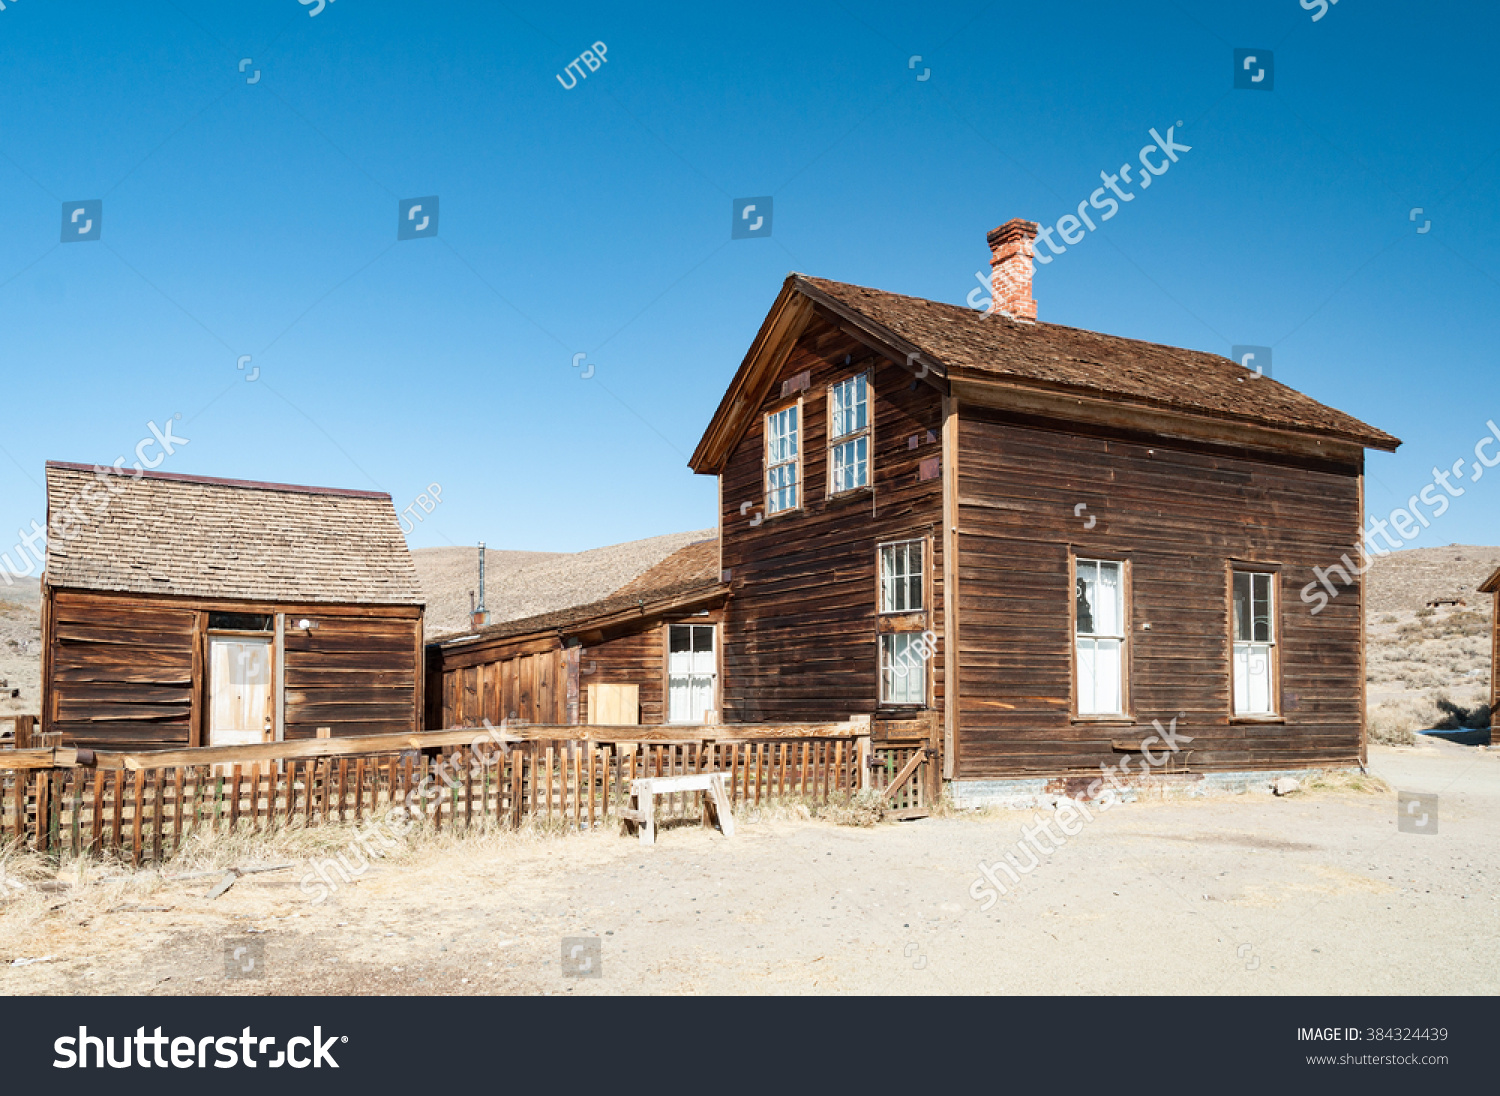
(1107, 610)
(781, 488)
(850, 465)
(1242, 605)
(850, 407)
(1099, 675)
(1100, 598)
(1253, 679)
(903, 670)
(1262, 607)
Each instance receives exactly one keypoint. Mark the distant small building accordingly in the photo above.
(183, 611)
(1447, 603)
(648, 653)
(1491, 585)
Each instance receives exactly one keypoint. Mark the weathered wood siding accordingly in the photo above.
(638, 657)
(1495, 670)
(801, 623)
(1179, 515)
(526, 684)
(352, 674)
(537, 680)
(120, 674)
(123, 672)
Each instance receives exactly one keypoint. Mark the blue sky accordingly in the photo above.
(259, 219)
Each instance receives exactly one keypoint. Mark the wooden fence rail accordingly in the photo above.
(138, 811)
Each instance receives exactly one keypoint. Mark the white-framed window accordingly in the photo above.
(1254, 643)
(849, 434)
(903, 667)
(1100, 614)
(692, 672)
(782, 448)
(901, 577)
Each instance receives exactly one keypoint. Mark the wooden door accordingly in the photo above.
(239, 681)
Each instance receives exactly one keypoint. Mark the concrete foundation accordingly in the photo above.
(1044, 792)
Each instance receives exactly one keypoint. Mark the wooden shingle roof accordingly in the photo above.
(189, 536)
(1051, 356)
(1024, 360)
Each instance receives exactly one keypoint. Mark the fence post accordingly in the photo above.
(25, 725)
(860, 726)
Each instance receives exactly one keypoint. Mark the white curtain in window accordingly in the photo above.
(1252, 679)
(691, 673)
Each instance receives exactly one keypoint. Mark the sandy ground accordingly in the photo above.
(1317, 893)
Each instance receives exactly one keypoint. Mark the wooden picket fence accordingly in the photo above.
(130, 807)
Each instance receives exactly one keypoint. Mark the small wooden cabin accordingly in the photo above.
(648, 653)
(1043, 537)
(1491, 585)
(186, 611)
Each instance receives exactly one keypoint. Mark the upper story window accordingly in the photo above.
(901, 583)
(782, 448)
(1100, 638)
(849, 434)
(1254, 643)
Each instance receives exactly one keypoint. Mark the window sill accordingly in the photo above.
(1257, 719)
(850, 493)
(1118, 720)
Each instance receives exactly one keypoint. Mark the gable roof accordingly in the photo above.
(193, 536)
(955, 343)
(689, 576)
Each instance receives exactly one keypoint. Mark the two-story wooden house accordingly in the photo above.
(1092, 532)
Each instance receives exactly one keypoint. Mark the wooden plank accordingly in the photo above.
(137, 822)
(904, 774)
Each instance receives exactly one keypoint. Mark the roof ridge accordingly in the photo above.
(214, 481)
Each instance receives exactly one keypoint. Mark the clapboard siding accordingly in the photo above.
(635, 658)
(121, 676)
(1179, 514)
(129, 672)
(801, 620)
(536, 679)
(352, 674)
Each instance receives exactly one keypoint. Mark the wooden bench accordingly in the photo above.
(643, 793)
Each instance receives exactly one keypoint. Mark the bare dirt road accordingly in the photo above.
(1312, 894)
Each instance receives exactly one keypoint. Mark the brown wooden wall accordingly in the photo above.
(1179, 516)
(533, 686)
(121, 675)
(122, 671)
(538, 680)
(354, 674)
(637, 657)
(801, 621)
(1495, 670)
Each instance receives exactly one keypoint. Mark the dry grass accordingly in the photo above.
(35, 887)
(1347, 780)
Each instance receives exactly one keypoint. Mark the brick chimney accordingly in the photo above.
(1011, 248)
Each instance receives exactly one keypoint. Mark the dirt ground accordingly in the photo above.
(1313, 893)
